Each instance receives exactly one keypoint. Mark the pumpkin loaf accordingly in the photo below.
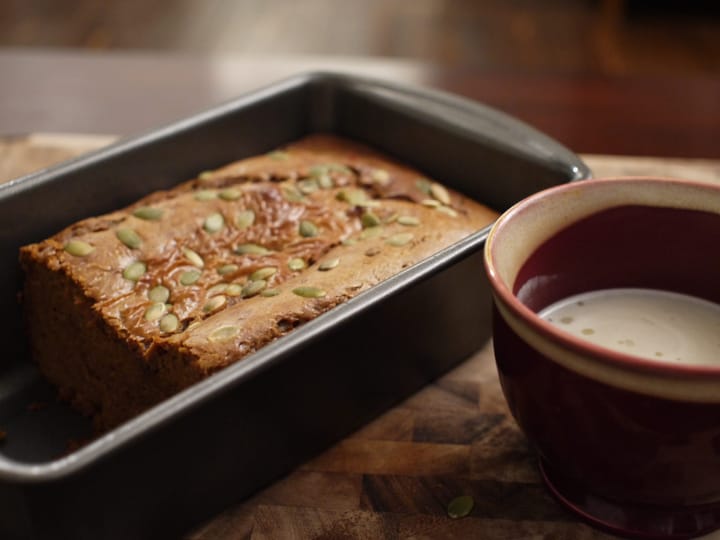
(126, 309)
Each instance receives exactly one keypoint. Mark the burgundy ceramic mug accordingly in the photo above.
(632, 443)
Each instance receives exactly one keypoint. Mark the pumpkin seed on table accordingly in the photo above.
(263, 273)
(214, 222)
(400, 239)
(307, 229)
(460, 507)
(328, 264)
(155, 311)
(244, 219)
(189, 277)
(253, 287)
(439, 192)
(408, 221)
(129, 237)
(148, 213)
(159, 293)
(78, 248)
(251, 249)
(205, 195)
(230, 194)
(134, 271)
(309, 292)
(169, 323)
(296, 264)
(227, 269)
(215, 303)
(193, 257)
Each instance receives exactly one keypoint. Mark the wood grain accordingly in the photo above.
(393, 478)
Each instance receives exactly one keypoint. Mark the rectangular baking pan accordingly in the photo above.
(217, 442)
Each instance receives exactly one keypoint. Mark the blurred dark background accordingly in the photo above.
(588, 36)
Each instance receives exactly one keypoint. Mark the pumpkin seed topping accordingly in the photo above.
(308, 186)
(193, 257)
(278, 155)
(251, 249)
(296, 264)
(169, 323)
(230, 194)
(223, 333)
(270, 292)
(227, 269)
(205, 175)
(448, 211)
(263, 273)
(460, 506)
(205, 195)
(78, 248)
(307, 229)
(217, 289)
(292, 194)
(234, 289)
(355, 197)
(252, 288)
(430, 203)
(380, 176)
(440, 193)
(325, 181)
(155, 311)
(372, 232)
(129, 237)
(309, 292)
(244, 219)
(148, 213)
(214, 222)
(215, 303)
(189, 277)
(370, 220)
(408, 221)
(400, 239)
(159, 293)
(134, 271)
(423, 184)
(328, 265)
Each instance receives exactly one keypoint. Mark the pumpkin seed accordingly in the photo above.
(205, 195)
(355, 197)
(252, 288)
(134, 270)
(230, 194)
(448, 211)
(214, 222)
(408, 221)
(423, 185)
(307, 229)
(148, 213)
(391, 218)
(372, 232)
(169, 323)
(228, 269)
(205, 176)
(233, 289)
(309, 292)
(440, 193)
(430, 203)
(155, 311)
(328, 265)
(159, 293)
(278, 155)
(380, 176)
(325, 181)
(292, 194)
(251, 249)
(460, 506)
(263, 273)
(215, 303)
(78, 248)
(270, 292)
(308, 186)
(400, 239)
(224, 333)
(217, 289)
(244, 219)
(189, 277)
(296, 264)
(129, 237)
(370, 220)
(193, 257)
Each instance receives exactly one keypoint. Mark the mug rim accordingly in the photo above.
(616, 359)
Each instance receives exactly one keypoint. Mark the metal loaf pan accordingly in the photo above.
(217, 442)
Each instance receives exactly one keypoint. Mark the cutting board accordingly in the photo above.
(395, 477)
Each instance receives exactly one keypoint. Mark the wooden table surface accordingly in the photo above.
(393, 478)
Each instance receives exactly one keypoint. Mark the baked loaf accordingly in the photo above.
(126, 309)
